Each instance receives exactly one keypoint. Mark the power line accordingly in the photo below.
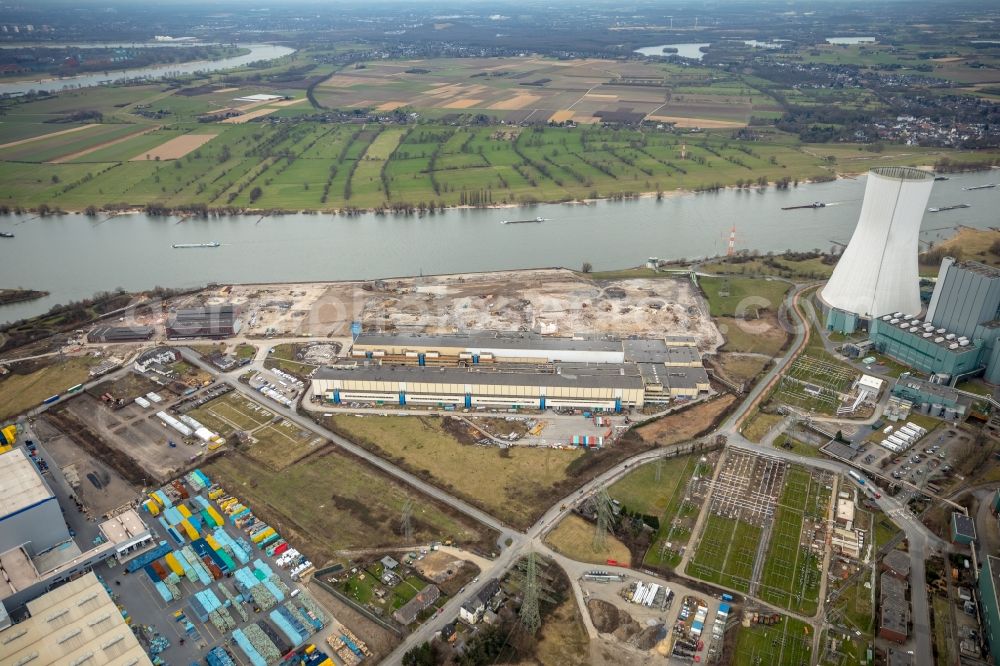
(406, 521)
(604, 517)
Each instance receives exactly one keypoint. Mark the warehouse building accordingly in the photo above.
(928, 398)
(77, 623)
(215, 321)
(27, 574)
(29, 512)
(959, 335)
(605, 386)
(120, 334)
(669, 367)
(894, 609)
(478, 348)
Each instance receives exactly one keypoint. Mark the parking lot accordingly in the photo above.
(928, 464)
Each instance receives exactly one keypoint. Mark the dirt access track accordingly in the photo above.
(555, 302)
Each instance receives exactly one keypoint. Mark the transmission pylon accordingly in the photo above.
(603, 524)
(406, 521)
(529, 616)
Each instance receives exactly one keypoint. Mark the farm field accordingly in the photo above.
(335, 501)
(672, 491)
(321, 166)
(559, 91)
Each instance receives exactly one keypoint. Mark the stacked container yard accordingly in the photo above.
(698, 625)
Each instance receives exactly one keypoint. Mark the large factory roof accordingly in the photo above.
(75, 623)
(21, 486)
(570, 375)
(489, 341)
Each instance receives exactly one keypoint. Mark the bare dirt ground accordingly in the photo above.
(551, 302)
(685, 424)
(380, 641)
(77, 463)
(175, 148)
(134, 432)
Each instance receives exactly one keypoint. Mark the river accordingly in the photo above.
(257, 52)
(73, 256)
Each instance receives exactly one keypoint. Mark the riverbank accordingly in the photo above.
(10, 296)
(74, 256)
(205, 211)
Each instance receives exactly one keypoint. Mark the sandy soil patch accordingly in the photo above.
(518, 101)
(952, 59)
(248, 116)
(705, 123)
(561, 116)
(226, 90)
(45, 136)
(586, 120)
(601, 96)
(447, 91)
(555, 302)
(686, 423)
(175, 148)
(92, 149)
(390, 106)
(463, 103)
(346, 81)
(288, 102)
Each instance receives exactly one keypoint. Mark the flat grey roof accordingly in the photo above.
(648, 350)
(898, 561)
(601, 375)
(682, 355)
(964, 525)
(21, 486)
(895, 613)
(684, 378)
(489, 340)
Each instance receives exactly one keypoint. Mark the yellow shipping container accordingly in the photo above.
(226, 501)
(210, 540)
(174, 565)
(215, 516)
(263, 534)
(189, 529)
(155, 499)
(152, 507)
(184, 510)
(216, 494)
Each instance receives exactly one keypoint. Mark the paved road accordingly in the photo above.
(193, 358)
(519, 543)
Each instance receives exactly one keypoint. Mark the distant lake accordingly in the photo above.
(764, 45)
(850, 40)
(689, 50)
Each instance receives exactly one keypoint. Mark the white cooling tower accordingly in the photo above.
(877, 274)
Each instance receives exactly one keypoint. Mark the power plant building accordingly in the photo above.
(877, 273)
(959, 336)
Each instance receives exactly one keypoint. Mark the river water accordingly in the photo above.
(257, 52)
(73, 256)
